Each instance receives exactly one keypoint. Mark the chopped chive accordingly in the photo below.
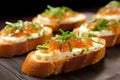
(102, 24)
(97, 42)
(56, 11)
(91, 35)
(82, 51)
(87, 49)
(18, 25)
(46, 42)
(42, 47)
(43, 32)
(60, 44)
(95, 47)
(27, 36)
(69, 46)
(65, 37)
(37, 25)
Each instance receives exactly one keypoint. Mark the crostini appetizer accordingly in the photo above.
(104, 28)
(64, 53)
(20, 37)
(60, 17)
(109, 11)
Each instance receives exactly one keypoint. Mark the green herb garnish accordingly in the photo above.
(27, 36)
(56, 11)
(42, 47)
(83, 50)
(87, 36)
(113, 3)
(37, 25)
(69, 45)
(102, 24)
(60, 44)
(91, 35)
(34, 25)
(65, 36)
(97, 42)
(20, 26)
(15, 26)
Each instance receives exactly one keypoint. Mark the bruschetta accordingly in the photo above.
(109, 11)
(64, 53)
(60, 17)
(21, 37)
(104, 28)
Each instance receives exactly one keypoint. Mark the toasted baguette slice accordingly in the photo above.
(109, 11)
(16, 47)
(42, 66)
(110, 31)
(68, 19)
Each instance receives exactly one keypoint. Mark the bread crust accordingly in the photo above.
(63, 26)
(78, 62)
(9, 49)
(118, 36)
(37, 68)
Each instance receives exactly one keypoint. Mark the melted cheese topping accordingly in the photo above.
(75, 51)
(46, 20)
(23, 38)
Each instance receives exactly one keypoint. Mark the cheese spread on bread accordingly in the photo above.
(116, 17)
(21, 31)
(69, 48)
(76, 51)
(83, 29)
(100, 27)
(58, 15)
(47, 20)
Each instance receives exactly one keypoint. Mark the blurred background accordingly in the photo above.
(17, 8)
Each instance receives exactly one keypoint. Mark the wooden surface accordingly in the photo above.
(107, 69)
